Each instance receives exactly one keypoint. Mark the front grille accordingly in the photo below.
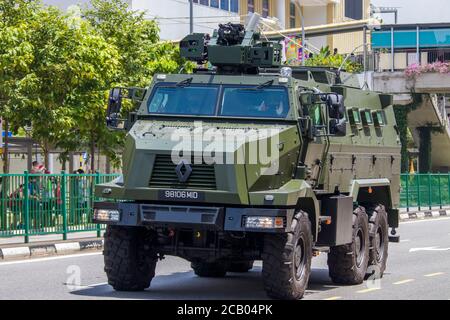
(164, 175)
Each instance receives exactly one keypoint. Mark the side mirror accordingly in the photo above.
(306, 99)
(113, 120)
(336, 107)
(337, 127)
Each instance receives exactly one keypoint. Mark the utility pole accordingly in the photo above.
(303, 31)
(191, 16)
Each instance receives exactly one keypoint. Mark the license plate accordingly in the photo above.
(183, 195)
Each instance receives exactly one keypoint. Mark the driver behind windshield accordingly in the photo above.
(271, 105)
(193, 104)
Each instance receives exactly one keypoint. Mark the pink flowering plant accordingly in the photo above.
(416, 69)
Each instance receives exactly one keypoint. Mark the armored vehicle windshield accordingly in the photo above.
(219, 100)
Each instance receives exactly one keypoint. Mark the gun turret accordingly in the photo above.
(232, 49)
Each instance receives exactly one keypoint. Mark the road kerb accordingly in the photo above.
(15, 253)
(52, 249)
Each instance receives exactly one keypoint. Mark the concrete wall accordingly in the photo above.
(316, 15)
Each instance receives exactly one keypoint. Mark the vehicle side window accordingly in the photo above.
(366, 117)
(316, 115)
(354, 116)
(379, 118)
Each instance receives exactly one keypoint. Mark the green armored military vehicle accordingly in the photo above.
(246, 161)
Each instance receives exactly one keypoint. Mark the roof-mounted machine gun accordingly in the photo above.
(233, 49)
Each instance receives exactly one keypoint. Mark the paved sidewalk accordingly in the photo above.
(20, 240)
(48, 245)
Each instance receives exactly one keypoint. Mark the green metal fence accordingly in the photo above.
(425, 191)
(41, 204)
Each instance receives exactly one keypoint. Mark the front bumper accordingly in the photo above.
(195, 217)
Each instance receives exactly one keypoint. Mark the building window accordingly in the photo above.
(225, 5)
(251, 5)
(292, 21)
(265, 8)
(354, 9)
(234, 5)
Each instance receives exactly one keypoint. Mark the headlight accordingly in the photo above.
(258, 222)
(106, 215)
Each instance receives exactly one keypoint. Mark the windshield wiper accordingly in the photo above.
(185, 83)
(260, 86)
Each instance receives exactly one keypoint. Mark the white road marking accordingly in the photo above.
(404, 281)
(368, 290)
(405, 240)
(50, 258)
(85, 286)
(428, 249)
(425, 220)
(333, 298)
(434, 274)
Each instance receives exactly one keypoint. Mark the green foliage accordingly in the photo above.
(326, 59)
(401, 117)
(56, 69)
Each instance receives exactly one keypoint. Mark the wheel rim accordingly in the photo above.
(359, 247)
(379, 244)
(299, 258)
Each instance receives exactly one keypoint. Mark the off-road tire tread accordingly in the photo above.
(244, 266)
(378, 215)
(124, 248)
(341, 264)
(278, 249)
(209, 269)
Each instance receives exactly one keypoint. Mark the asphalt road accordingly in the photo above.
(418, 268)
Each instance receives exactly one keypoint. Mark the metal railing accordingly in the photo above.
(42, 204)
(425, 191)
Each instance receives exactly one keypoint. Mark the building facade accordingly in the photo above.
(173, 15)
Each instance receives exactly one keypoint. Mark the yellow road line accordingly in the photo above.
(404, 281)
(368, 290)
(434, 274)
(333, 298)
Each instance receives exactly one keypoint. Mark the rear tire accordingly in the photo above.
(348, 263)
(379, 240)
(244, 266)
(209, 269)
(130, 261)
(287, 260)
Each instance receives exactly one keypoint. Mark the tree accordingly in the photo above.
(141, 55)
(56, 69)
(16, 55)
(72, 68)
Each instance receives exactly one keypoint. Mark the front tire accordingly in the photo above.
(130, 261)
(348, 263)
(287, 260)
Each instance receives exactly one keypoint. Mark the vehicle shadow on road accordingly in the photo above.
(186, 285)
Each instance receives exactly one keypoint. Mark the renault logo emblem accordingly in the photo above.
(183, 170)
